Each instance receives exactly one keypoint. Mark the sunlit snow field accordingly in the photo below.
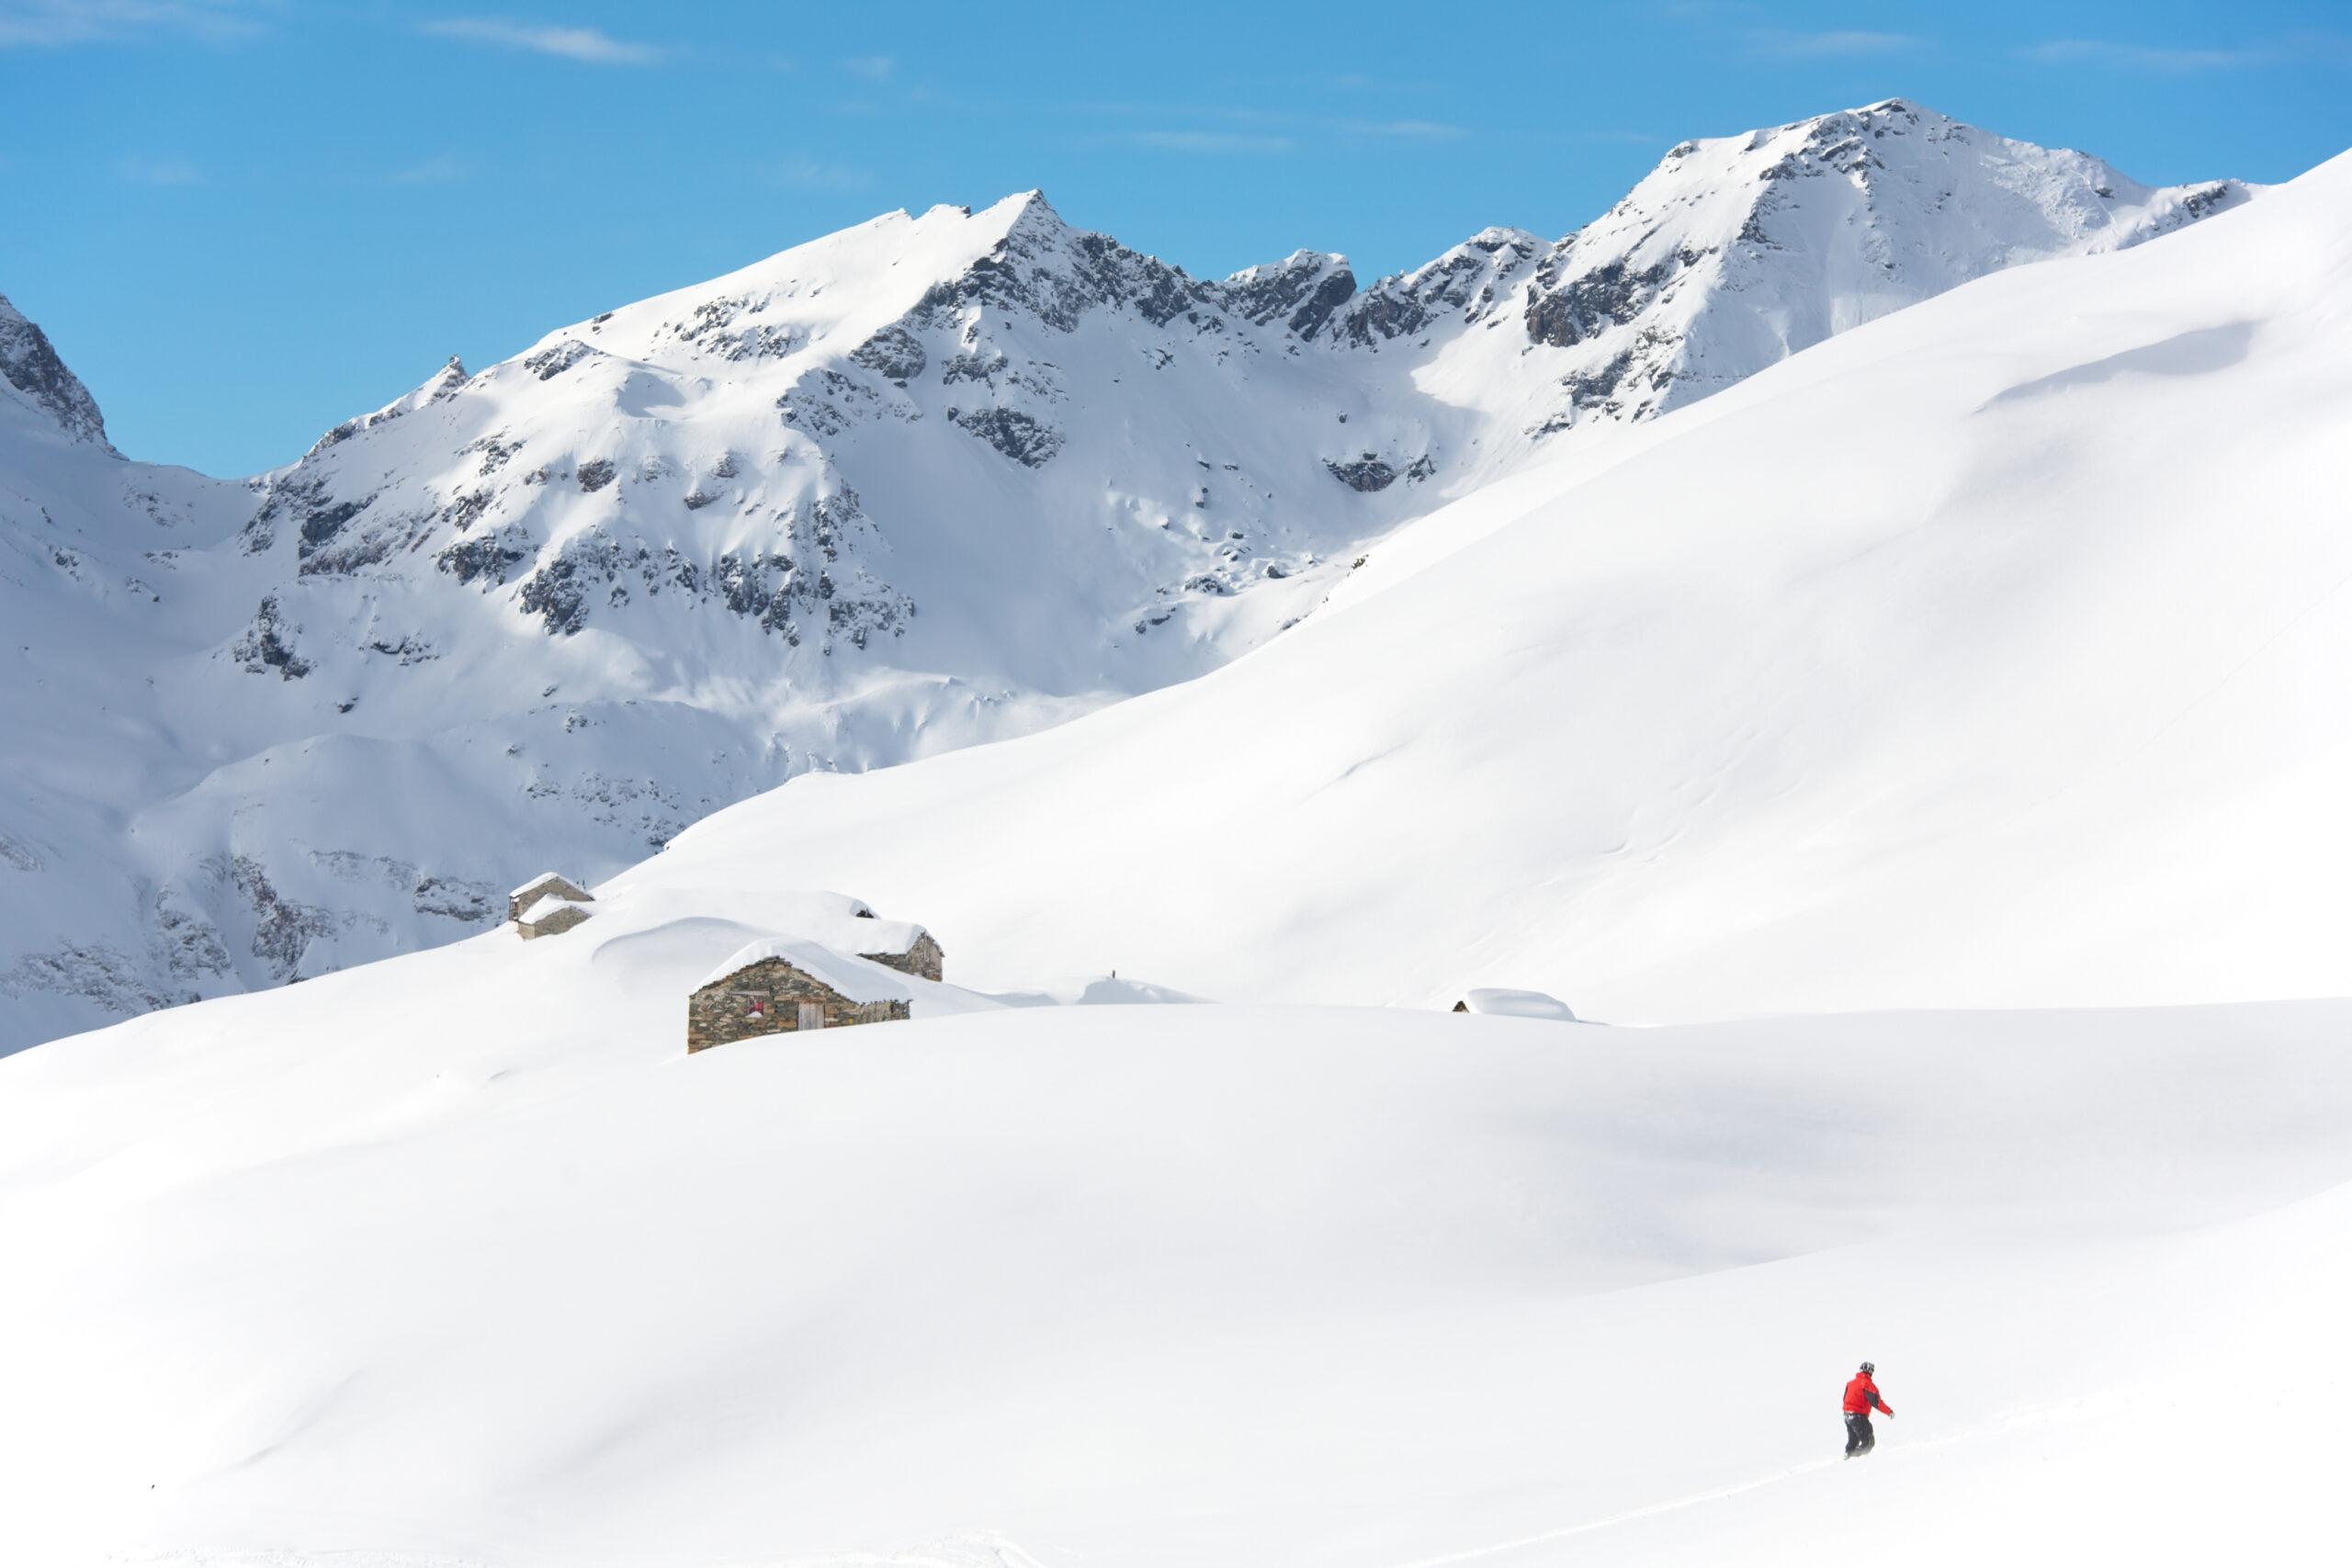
(460, 1258)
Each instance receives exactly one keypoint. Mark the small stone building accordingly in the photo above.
(782, 987)
(907, 948)
(549, 914)
(539, 886)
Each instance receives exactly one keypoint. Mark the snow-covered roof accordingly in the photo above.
(856, 978)
(871, 935)
(1518, 1004)
(544, 879)
(547, 904)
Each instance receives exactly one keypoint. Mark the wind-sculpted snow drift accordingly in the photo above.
(930, 482)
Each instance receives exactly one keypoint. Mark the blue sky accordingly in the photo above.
(243, 221)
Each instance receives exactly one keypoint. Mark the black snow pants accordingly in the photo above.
(1860, 1439)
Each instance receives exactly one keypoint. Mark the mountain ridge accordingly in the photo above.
(29, 364)
(933, 481)
(1974, 659)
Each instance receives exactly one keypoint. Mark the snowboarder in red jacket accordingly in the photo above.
(1861, 1398)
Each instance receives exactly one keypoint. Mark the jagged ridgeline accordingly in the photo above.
(932, 481)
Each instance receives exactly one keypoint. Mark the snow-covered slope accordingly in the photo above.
(457, 1260)
(930, 482)
(1987, 654)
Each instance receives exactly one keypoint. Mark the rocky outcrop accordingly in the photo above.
(1300, 292)
(1048, 272)
(266, 644)
(1465, 285)
(30, 364)
(1027, 440)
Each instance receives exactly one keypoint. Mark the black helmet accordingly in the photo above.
(1869, 1367)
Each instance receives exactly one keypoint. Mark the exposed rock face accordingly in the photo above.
(30, 364)
(267, 644)
(1300, 293)
(894, 353)
(1046, 271)
(1366, 472)
(1462, 287)
(1028, 441)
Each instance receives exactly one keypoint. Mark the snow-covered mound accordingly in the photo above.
(1986, 654)
(930, 482)
(458, 1259)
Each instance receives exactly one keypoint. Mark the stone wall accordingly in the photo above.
(924, 958)
(555, 922)
(720, 1012)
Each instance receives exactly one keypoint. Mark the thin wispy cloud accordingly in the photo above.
(1215, 141)
(2142, 57)
(435, 171)
(2330, 49)
(802, 172)
(590, 46)
(873, 67)
(1844, 44)
(158, 171)
(1402, 129)
(1258, 132)
(50, 24)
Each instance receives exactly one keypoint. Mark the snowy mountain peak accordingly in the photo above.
(29, 364)
(1739, 251)
(1300, 291)
(442, 383)
(1467, 283)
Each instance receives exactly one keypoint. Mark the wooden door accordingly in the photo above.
(812, 1015)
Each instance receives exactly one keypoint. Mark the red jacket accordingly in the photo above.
(1862, 1396)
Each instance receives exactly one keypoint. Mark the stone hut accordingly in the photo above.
(549, 914)
(902, 946)
(783, 986)
(546, 882)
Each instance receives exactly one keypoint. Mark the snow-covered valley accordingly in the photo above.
(457, 1260)
(1983, 654)
(932, 482)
